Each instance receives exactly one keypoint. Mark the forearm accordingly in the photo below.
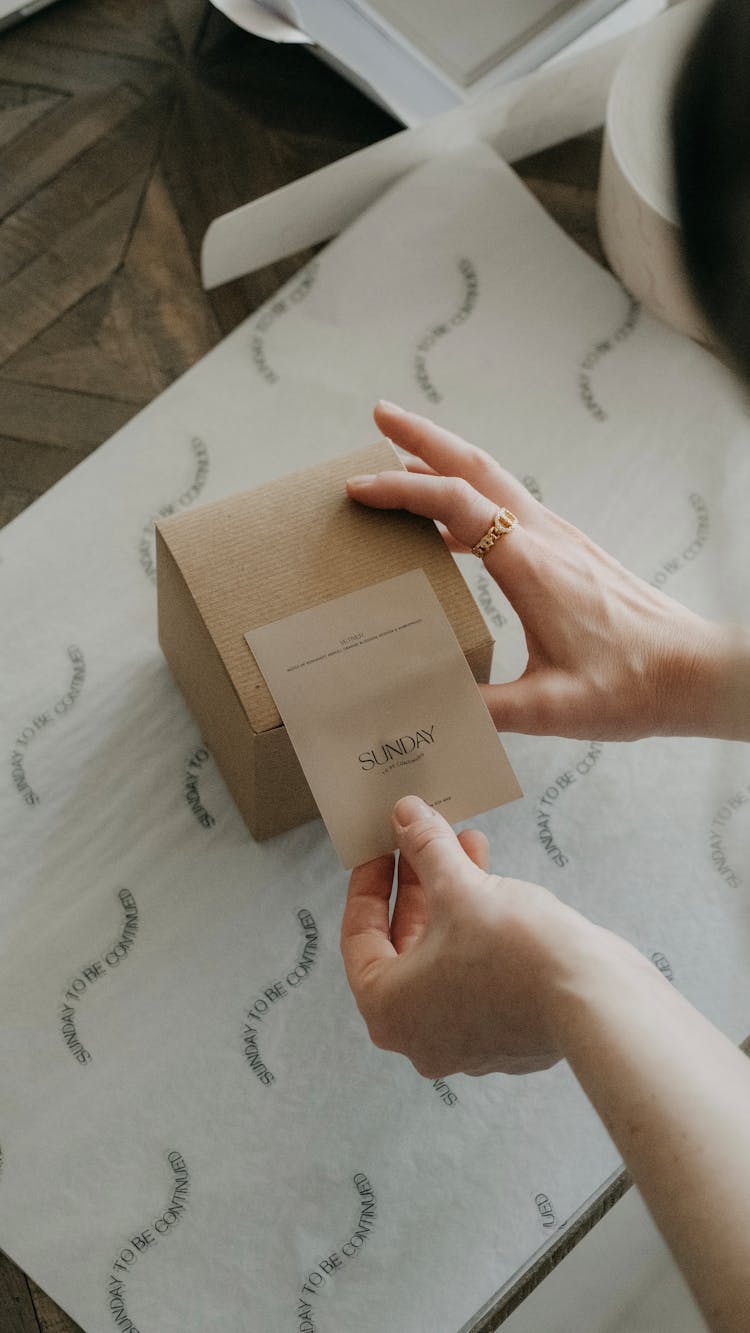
(674, 1094)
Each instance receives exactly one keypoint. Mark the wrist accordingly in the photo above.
(587, 970)
(567, 961)
(708, 684)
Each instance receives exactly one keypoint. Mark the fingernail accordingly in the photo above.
(356, 483)
(409, 809)
(391, 407)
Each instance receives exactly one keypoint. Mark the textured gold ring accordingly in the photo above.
(503, 522)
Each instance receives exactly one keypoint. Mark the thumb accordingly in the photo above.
(539, 703)
(431, 847)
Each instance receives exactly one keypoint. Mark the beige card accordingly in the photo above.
(379, 702)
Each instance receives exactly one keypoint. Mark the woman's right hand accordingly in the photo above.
(609, 657)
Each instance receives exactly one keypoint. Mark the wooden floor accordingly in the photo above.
(125, 127)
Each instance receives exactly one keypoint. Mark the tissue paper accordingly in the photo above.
(196, 1132)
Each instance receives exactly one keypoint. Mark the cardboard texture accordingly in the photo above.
(257, 557)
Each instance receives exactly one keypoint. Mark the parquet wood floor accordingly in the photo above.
(125, 127)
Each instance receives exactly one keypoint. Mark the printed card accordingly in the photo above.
(379, 702)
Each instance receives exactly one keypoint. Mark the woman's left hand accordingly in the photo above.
(463, 976)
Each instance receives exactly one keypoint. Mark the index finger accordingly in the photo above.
(365, 934)
(451, 456)
(452, 501)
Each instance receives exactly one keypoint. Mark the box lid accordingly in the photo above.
(260, 555)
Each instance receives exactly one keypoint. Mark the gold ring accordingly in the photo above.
(503, 522)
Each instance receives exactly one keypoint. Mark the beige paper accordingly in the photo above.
(380, 703)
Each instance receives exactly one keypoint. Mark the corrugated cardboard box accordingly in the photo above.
(264, 554)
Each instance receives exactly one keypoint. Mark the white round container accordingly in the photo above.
(637, 216)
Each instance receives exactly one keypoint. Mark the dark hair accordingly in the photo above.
(711, 143)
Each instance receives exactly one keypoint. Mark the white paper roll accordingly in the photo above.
(637, 215)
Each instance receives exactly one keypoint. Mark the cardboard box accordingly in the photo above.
(256, 557)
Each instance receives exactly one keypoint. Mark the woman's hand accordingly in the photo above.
(463, 977)
(476, 974)
(609, 657)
